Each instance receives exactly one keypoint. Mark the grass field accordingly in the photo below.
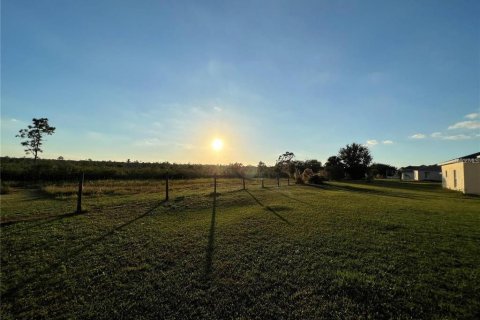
(342, 250)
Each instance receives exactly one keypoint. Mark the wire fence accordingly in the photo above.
(166, 189)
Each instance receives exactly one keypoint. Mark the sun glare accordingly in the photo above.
(217, 144)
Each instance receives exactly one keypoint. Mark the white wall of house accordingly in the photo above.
(408, 176)
(415, 175)
(452, 176)
(462, 176)
(421, 175)
(472, 177)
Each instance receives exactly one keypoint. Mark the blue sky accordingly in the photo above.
(158, 80)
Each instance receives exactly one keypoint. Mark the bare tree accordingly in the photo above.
(35, 135)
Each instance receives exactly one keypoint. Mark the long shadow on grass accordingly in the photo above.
(269, 208)
(429, 189)
(395, 184)
(349, 188)
(286, 195)
(211, 241)
(43, 219)
(10, 293)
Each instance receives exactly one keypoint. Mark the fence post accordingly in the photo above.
(79, 195)
(166, 187)
(215, 185)
(278, 181)
(262, 184)
(243, 183)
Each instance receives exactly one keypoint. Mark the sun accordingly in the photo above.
(217, 144)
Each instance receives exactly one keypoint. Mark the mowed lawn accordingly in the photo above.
(340, 251)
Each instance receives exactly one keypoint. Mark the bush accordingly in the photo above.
(299, 178)
(307, 173)
(316, 179)
(5, 188)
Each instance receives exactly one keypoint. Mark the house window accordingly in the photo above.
(454, 178)
(426, 175)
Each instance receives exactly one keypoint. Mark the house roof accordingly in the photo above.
(432, 167)
(475, 155)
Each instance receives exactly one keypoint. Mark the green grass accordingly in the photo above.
(342, 250)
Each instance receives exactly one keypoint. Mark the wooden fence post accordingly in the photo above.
(79, 195)
(215, 185)
(262, 184)
(243, 183)
(278, 181)
(166, 187)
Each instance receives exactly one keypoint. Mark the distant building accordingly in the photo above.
(407, 174)
(462, 174)
(421, 173)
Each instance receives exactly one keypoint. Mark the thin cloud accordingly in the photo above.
(418, 136)
(387, 142)
(457, 137)
(372, 142)
(439, 135)
(11, 123)
(474, 115)
(157, 142)
(218, 109)
(465, 125)
(149, 142)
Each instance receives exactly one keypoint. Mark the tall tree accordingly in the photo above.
(285, 164)
(383, 170)
(335, 168)
(236, 169)
(261, 169)
(356, 159)
(313, 164)
(35, 136)
(297, 166)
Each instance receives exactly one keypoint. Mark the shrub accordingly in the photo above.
(307, 173)
(5, 188)
(316, 179)
(299, 178)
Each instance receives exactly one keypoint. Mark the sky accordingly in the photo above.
(159, 80)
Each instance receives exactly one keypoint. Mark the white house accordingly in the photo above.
(407, 175)
(462, 174)
(421, 173)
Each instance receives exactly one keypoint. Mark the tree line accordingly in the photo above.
(352, 162)
(26, 169)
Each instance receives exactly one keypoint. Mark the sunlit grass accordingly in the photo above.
(341, 250)
(129, 187)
